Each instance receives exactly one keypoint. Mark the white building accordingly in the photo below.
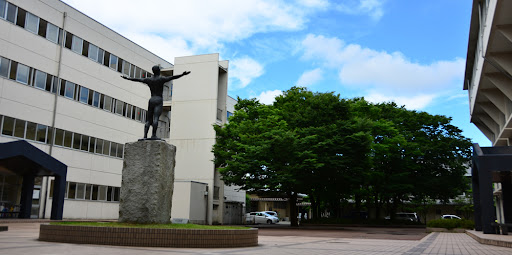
(488, 80)
(60, 89)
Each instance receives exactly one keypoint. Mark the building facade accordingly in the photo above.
(61, 90)
(488, 80)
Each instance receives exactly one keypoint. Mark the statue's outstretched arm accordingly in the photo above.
(132, 79)
(168, 78)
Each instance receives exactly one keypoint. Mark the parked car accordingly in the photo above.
(273, 214)
(405, 216)
(451, 216)
(260, 218)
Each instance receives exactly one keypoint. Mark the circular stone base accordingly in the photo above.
(150, 237)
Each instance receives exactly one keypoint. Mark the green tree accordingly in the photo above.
(258, 151)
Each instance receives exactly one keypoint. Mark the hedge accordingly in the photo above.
(451, 224)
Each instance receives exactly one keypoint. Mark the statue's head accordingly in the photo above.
(156, 70)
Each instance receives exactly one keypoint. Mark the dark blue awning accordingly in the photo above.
(22, 158)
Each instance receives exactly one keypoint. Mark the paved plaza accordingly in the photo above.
(21, 238)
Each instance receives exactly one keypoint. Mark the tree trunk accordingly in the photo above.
(377, 206)
(293, 209)
(314, 207)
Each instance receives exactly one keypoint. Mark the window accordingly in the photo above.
(22, 73)
(42, 27)
(95, 191)
(93, 52)
(89, 100)
(85, 48)
(96, 99)
(99, 146)
(71, 190)
(88, 191)
(11, 12)
(41, 133)
(108, 103)
(68, 139)
(120, 64)
(20, 17)
(119, 107)
(119, 150)
(85, 143)
(59, 137)
(113, 61)
(8, 126)
(102, 193)
(19, 128)
(113, 149)
(92, 144)
(106, 148)
(3, 6)
(40, 80)
(129, 110)
(132, 71)
(117, 191)
(84, 95)
(109, 193)
(100, 55)
(80, 191)
(126, 68)
(69, 40)
(32, 23)
(77, 44)
(138, 72)
(69, 90)
(31, 131)
(49, 80)
(52, 33)
(4, 67)
(76, 141)
(49, 133)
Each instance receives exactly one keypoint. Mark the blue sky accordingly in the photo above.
(410, 52)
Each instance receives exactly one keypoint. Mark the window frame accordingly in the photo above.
(74, 44)
(28, 17)
(36, 82)
(18, 73)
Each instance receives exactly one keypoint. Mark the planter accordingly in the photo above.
(150, 237)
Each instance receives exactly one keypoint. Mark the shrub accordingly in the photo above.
(451, 224)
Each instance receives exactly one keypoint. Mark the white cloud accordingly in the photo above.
(244, 70)
(391, 75)
(167, 49)
(203, 25)
(372, 8)
(417, 102)
(310, 77)
(268, 97)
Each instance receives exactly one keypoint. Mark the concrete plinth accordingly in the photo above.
(147, 182)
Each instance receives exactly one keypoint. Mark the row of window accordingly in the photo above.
(84, 191)
(53, 33)
(30, 76)
(41, 133)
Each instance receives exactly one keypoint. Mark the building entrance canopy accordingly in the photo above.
(491, 165)
(23, 159)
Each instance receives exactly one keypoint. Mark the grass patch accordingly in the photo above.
(138, 225)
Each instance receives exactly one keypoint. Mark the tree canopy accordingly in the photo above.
(336, 150)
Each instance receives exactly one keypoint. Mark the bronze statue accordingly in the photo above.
(156, 102)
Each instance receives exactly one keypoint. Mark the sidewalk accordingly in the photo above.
(21, 238)
(490, 239)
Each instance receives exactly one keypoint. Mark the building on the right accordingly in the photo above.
(488, 80)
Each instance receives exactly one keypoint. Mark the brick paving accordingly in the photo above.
(21, 238)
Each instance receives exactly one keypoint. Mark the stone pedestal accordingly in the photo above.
(148, 182)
